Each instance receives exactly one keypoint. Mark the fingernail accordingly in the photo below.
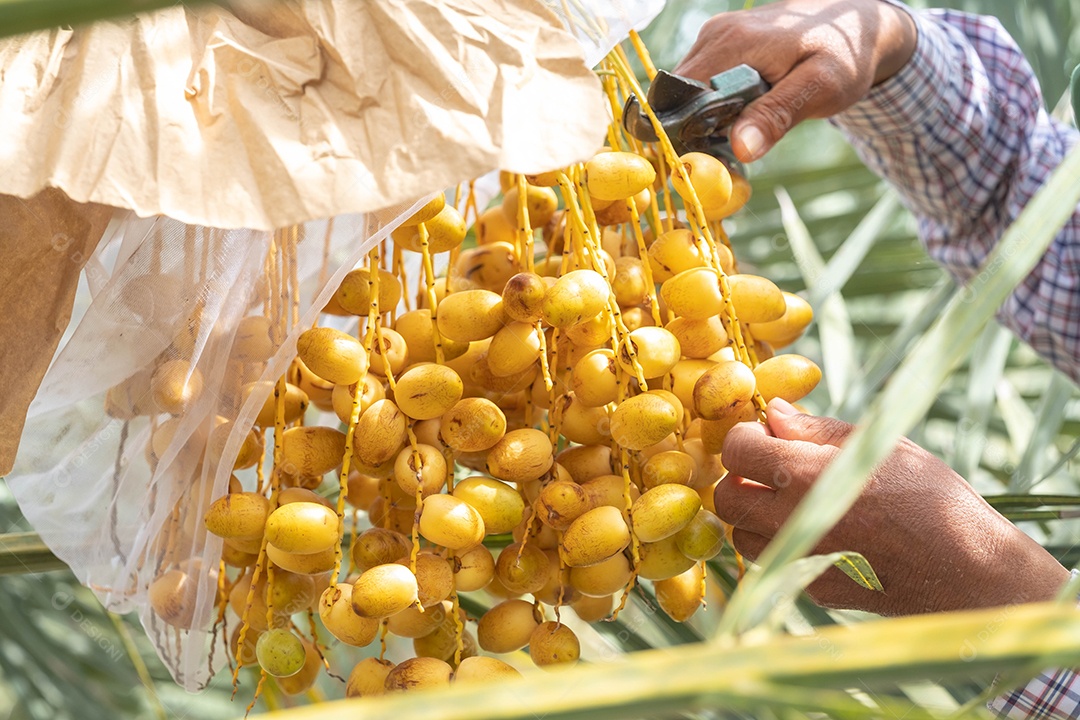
(782, 407)
(753, 141)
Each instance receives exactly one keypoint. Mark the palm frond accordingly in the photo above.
(799, 673)
(23, 16)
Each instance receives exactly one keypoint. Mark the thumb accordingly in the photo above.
(787, 423)
(766, 120)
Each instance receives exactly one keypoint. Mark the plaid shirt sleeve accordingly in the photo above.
(962, 134)
(1052, 695)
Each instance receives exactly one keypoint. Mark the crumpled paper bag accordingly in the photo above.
(266, 115)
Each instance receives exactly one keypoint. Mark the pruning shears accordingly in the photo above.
(696, 116)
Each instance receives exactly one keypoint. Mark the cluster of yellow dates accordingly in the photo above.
(543, 425)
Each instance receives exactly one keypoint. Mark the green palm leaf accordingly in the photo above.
(804, 673)
(22, 16)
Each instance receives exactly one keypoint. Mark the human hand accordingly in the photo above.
(934, 543)
(820, 57)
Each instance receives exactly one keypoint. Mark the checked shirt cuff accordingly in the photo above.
(912, 95)
(1052, 695)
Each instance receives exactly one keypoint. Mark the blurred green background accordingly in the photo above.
(1006, 421)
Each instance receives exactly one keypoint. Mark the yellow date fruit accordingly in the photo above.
(303, 527)
(723, 389)
(711, 182)
(238, 515)
(790, 377)
(383, 591)
(618, 175)
(451, 522)
(332, 355)
(595, 536)
(782, 332)
(643, 420)
(663, 511)
(756, 299)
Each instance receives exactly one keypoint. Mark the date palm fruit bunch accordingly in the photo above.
(540, 425)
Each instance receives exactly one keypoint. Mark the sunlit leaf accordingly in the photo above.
(796, 672)
(846, 260)
(987, 363)
(780, 589)
(1018, 417)
(856, 567)
(1074, 87)
(22, 553)
(1024, 500)
(892, 351)
(1062, 461)
(1048, 419)
(834, 325)
(1040, 515)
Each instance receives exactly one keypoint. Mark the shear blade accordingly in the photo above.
(636, 122)
(670, 92)
(667, 93)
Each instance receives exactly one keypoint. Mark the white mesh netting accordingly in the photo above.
(117, 488)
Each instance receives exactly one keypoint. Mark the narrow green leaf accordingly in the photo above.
(1048, 420)
(1074, 88)
(124, 633)
(987, 365)
(780, 590)
(25, 553)
(1067, 555)
(1019, 420)
(22, 16)
(891, 352)
(1067, 594)
(929, 695)
(856, 567)
(815, 615)
(1062, 461)
(1031, 501)
(1020, 515)
(913, 388)
(623, 636)
(847, 258)
(831, 315)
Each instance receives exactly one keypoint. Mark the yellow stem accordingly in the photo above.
(429, 280)
(524, 228)
(643, 54)
(695, 214)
